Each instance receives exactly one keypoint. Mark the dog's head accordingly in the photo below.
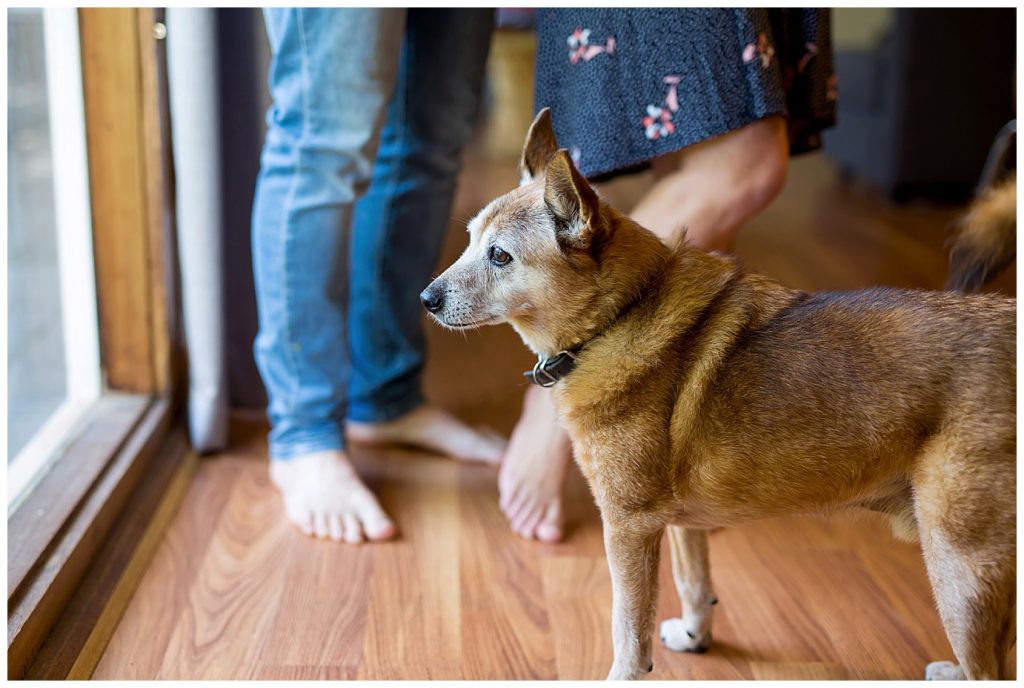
(534, 254)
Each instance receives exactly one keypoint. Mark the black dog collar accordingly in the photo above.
(548, 371)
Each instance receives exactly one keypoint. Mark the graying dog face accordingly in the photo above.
(496, 277)
(529, 260)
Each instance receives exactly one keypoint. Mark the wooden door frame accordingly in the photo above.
(82, 516)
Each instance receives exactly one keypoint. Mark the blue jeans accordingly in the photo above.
(371, 109)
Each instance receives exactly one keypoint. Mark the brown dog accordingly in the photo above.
(703, 396)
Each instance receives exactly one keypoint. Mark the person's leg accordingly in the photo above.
(330, 77)
(709, 189)
(712, 188)
(399, 227)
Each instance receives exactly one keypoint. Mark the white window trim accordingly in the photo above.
(73, 215)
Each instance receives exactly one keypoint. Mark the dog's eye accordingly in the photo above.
(499, 257)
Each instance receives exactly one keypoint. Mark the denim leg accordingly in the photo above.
(400, 223)
(330, 78)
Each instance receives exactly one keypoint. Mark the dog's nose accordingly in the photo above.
(432, 299)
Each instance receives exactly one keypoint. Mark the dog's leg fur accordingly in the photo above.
(968, 540)
(633, 555)
(691, 570)
(971, 605)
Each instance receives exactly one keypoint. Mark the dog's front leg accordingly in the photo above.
(633, 555)
(691, 570)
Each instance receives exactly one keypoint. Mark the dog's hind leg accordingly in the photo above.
(976, 608)
(966, 518)
(633, 555)
(691, 570)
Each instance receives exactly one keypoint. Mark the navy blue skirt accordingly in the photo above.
(627, 85)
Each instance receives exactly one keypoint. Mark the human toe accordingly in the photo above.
(518, 504)
(552, 523)
(530, 526)
(300, 516)
(320, 524)
(526, 520)
(382, 529)
(335, 527)
(374, 523)
(353, 529)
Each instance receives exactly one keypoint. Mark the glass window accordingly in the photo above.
(52, 358)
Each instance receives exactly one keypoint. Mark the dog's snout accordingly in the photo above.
(432, 298)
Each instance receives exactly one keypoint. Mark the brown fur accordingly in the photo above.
(706, 396)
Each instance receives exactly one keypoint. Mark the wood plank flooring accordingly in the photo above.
(234, 592)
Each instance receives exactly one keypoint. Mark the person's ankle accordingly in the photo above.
(432, 428)
(336, 459)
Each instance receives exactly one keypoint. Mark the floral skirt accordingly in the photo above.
(627, 85)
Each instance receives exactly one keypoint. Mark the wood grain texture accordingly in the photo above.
(112, 87)
(81, 633)
(517, 624)
(149, 620)
(42, 597)
(425, 629)
(235, 592)
(214, 638)
(158, 170)
(38, 520)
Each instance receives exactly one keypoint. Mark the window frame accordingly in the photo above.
(60, 530)
(66, 113)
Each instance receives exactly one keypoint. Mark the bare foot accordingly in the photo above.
(432, 428)
(324, 497)
(533, 472)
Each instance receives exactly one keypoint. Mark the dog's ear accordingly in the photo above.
(539, 147)
(572, 202)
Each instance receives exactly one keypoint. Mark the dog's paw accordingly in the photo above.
(678, 637)
(624, 674)
(943, 671)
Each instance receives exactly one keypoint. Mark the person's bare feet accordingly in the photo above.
(432, 428)
(533, 472)
(325, 498)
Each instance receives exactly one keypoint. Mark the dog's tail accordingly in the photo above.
(986, 241)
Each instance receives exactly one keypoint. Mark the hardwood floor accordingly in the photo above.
(234, 592)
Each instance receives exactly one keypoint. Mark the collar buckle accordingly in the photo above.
(548, 371)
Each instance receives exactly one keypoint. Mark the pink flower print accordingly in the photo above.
(658, 123)
(762, 49)
(812, 50)
(580, 37)
(580, 47)
(671, 98)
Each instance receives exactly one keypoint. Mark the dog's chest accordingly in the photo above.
(624, 466)
(620, 440)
